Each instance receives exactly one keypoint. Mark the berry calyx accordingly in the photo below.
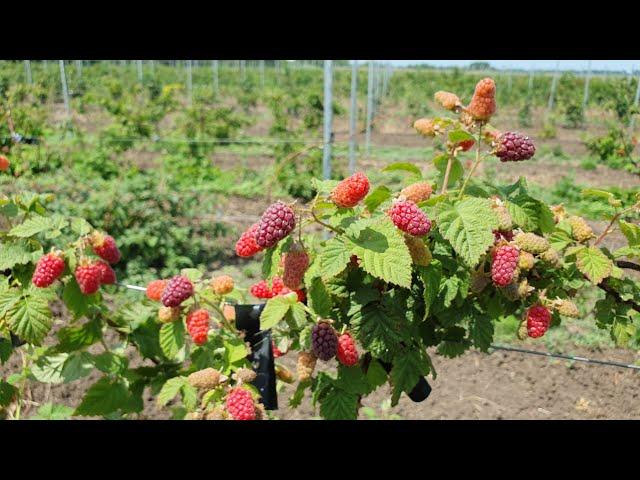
(240, 404)
(296, 262)
(324, 341)
(514, 147)
(198, 325)
(347, 353)
(246, 245)
(89, 277)
(48, 270)
(107, 275)
(504, 265)
(276, 223)
(105, 247)
(177, 290)
(350, 191)
(154, 289)
(406, 215)
(222, 285)
(483, 102)
(538, 321)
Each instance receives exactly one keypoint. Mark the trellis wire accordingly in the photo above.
(500, 347)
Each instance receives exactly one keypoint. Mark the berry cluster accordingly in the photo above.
(276, 223)
(154, 289)
(514, 147)
(504, 265)
(222, 285)
(296, 262)
(347, 353)
(48, 270)
(198, 325)
(262, 291)
(538, 320)
(246, 246)
(324, 341)
(483, 102)
(177, 290)
(240, 404)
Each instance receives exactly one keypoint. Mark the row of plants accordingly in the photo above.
(374, 280)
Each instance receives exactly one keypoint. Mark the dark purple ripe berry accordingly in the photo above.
(324, 341)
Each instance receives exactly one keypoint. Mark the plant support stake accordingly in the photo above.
(367, 136)
(328, 118)
(189, 82)
(27, 71)
(554, 82)
(139, 67)
(585, 99)
(636, 100)
(214, 68)
(353, 116)
(65, 89)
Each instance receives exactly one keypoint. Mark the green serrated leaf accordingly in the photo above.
(630, 230)
(318, 296)
(235, 350)
(275, 311)
(189, 396)
(172, 339)
(51, 411)
(75, 338)
(376, 330)
(7, 393)
(38, 224)
(80, 226)
(103, 397)
(456, 173)
(30, 319)
(457, 136)
(339, 405)
(408, 366)
(170, 389)
(376, 198)
(14, 253)
(482, 332)
(111, 363)
(468, 225)
(403, 167)
(333, 258)
(376, 375)
(594, 264)
(430, 276)
(382, 251)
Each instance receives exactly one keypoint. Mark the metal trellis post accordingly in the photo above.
(367, 137)
(139, 68)
(242, 70)
(65, 89)
(189, 82)
(27, 71)
(530, 87)
(79, 68)
(328, 118)
(554, 83)
(585, 98)
(214, 68)
(261, 73)
(636, 101)
(353, 116)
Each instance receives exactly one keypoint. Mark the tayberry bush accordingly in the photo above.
(363, 278)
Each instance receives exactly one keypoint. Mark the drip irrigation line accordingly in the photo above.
(503, 347)
(565, 357)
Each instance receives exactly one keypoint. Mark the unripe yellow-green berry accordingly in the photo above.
(550, 256)
(526, 261)
(522, 331)
(244, 375)
(169, 314)
(419, 251)
(306, 365)
(559, 213)
(283, 374)
(505, 222)
(205, 379)
(532, 243)
(566, 308)
(580, 229)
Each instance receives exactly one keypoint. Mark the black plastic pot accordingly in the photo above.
(261, 357)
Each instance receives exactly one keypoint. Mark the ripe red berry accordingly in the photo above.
(277, 287)
(276, 351)
(240, 404)
(89, 277)
(503, 267)
(324, 341)
(261, 290)
(155, 289)
(466, 144)
(483, 102)
(4, 163)
(178, 289)
(105, 247)
(538, 321)
(514, 147)
(409, 218)
(350, 191)
(296, 262)
(246, 246)
(347, 353)
(48, 270)
(198, 326)
(107, 275)
(276, 223)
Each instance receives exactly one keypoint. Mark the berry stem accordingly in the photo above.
(447, 172)
(221, 315)
(608, 230)
(475, 163)
(326, 225)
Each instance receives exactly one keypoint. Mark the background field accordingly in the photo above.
(176, 165)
